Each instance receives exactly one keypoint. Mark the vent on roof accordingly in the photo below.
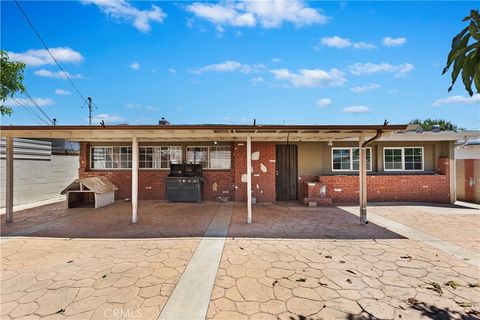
(163, 122)
(436, 128)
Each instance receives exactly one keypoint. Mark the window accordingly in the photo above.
(348, 159)
(210, 157)
(159, 157)
(400, 159)
(110, 157)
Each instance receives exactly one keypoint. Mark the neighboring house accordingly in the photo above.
(467, 155)
(41, 171)
(401, 165)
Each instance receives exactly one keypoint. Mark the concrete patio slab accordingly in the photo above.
(271, 277)
(448, 247)
(291, 263)
(191, 296)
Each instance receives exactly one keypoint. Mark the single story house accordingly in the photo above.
(286, 162)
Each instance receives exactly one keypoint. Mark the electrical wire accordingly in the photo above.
(38, 107)
(32, 112)
(49, 52)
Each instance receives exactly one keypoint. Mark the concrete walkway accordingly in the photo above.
(191, 296)
(466, 255)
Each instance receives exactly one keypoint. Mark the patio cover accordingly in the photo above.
(364, 134)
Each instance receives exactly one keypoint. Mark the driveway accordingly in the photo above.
(291, 263)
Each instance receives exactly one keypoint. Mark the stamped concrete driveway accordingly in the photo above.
(292, 263)
(336, 275)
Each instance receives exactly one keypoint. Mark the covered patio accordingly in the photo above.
(292, 262)
(364, 134)
(186, 220)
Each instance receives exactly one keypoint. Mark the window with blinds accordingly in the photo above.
(214, 157)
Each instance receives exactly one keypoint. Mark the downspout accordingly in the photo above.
(363, 172)
(376, 137)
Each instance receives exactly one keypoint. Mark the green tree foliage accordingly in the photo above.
(11, 74)
(427, 124)
(465, 54)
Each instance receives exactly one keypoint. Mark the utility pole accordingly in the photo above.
(89, 111)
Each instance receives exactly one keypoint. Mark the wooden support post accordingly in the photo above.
(249, 179)
(9, 180)
(363, 180)
(134, 179)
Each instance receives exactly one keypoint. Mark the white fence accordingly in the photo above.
(40, 179)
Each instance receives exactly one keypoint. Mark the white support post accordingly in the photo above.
(363, 180)
(9, 180)
(249, 179)
(134, 179)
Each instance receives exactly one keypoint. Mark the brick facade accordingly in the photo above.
(151, 183)
(341, 188)
(263, 181)
(433, 188)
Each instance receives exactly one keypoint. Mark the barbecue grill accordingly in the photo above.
(184, 183)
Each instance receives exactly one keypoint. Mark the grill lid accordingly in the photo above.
(185, 170)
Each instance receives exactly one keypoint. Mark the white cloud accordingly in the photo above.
(356, 109)
(363, 45)
(393, 42)
(231, 66)
(222, 14)
(58, 74)
(40, 57)
(62, 92)
(107, 118)
(122, 11)
(360, 69)
(335, 42)
(341, 43)
(137, 106)
(475, 99)
(171, 70)
(257, 80)
(267, 13)
(324, 102)
(276, 60)
(41, 102)
(366, 88)
(135, 65)
(311, 77)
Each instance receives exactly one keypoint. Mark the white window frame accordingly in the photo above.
(403, 158)
(107, 169)
(351, 159)
(208, 156)
(140, 168)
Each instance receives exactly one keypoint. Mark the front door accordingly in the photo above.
(286, 172)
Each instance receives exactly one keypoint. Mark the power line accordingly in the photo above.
(32, 112)
(38, 107)
(48, 50)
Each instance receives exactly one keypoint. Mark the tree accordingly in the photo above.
(465, 56)
(11, 74)
(427, 124)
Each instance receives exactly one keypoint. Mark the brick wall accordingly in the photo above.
(151, 184)
(342, 188)
(263, 183)
(416, 188)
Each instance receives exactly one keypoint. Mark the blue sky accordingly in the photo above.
(222, 62)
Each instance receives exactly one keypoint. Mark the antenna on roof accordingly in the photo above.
(254, 122)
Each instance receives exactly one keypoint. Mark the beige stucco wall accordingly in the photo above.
(314, 158)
